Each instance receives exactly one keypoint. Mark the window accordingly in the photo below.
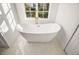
(6, 7)
(3, 27)
(39, 10)
(0, 12)
(9, 14)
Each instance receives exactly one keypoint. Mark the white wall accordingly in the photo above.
(23, 19)
(53, 11)
(73, 46)
(21, 12)
(68, 18)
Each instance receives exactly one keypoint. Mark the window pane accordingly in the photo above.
(0, 12)
(40, 6)
(40, 14)
(11, 14)
(30, 7)
(5, 7)
(14, 22)
(28, 14)
(33, 7)
(9, 6)
(9, 18)
(4, 27)
(27, 7)
(12, 26)
(45, 14)
(46, 7)
(33, 14)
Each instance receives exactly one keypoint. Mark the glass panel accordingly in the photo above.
(5, 7)
(40, 6)
(0, 12)
(14, 22)
(30, 7)
(40, 14)
(9, 6)
(33, 7)
(4, 27)
(33, 14)
(46, 7)
(11, 14)
(9, 18)
(28, 14)
(27, 7)
(45, 14)
(12, 26)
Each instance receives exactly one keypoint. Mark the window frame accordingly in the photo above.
(11, 16)
(36, 11)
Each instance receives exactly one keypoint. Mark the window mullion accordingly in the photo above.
(43, 10)
(30, 11)
(36, 10)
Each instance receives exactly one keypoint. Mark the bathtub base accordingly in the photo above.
(38, 37)
(39, 41)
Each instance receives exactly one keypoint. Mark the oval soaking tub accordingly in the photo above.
(39, 32)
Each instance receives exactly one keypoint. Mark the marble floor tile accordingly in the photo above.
(23, 47)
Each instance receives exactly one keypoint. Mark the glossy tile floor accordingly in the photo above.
(22, 47)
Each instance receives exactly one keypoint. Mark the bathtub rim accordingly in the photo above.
(40, 32)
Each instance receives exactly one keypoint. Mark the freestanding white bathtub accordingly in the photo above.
(39, 32)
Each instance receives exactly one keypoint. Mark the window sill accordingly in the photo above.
(37, 19)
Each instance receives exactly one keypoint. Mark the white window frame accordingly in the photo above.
(33, 18)
(9, 11)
